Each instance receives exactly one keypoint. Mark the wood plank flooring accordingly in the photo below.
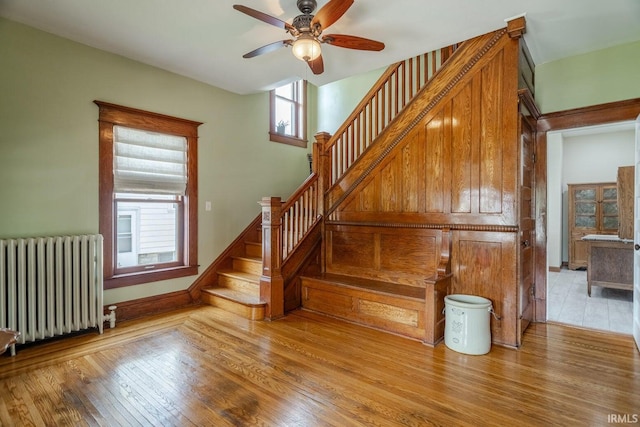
(206, 367)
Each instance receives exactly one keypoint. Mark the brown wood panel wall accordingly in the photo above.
(458, 164)
(453, 164)
(484, 264)
(399, 255)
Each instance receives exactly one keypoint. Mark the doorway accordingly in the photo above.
(565, 295)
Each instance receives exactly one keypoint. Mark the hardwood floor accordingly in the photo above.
(205, 367)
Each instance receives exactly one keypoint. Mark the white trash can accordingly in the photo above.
(467, 324)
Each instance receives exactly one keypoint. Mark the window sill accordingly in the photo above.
(139, 278)
(287, 139)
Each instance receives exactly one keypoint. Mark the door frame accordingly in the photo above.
(612, 112)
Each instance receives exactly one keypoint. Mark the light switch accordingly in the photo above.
(207, 206)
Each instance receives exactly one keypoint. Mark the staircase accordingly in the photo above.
(414, 197)
(237, 279)
(233, 281)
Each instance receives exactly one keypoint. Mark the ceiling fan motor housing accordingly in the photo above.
(302, 23)
(307, 6)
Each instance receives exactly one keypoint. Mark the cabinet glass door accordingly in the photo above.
(585, 208)
(610, 208)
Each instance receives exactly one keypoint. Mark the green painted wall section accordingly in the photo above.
(338, 99)
(49, 143)
(597, 77)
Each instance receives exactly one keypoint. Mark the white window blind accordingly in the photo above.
(148, 162)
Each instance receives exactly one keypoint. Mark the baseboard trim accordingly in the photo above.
(141, 307)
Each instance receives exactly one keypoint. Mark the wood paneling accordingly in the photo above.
(436, 162)
(464, 182)
(626, 189)
(405, 256)
(492, 162)
(450, 159)
(454, 163)
(484, 264)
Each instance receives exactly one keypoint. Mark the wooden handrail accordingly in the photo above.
(384, 101)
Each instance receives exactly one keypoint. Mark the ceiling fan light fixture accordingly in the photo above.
(306, 48)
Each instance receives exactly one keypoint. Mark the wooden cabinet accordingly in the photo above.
(610, 262)
(626, 176)
(593, 209)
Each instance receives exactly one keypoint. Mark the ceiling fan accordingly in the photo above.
(307, 29)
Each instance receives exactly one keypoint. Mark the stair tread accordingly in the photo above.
(371, 285)
(236, 296)
(254, 278)
(249, 258)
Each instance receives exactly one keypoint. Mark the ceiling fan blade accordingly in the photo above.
(352, 42)
(263, 17)
(317, 65)
(330, 13)
(267, 48)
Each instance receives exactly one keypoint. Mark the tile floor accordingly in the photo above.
(606, 309)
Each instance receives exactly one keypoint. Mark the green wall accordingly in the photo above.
(338, 99)
(49, 143)
(597, 77)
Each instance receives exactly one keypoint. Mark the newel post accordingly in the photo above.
(322, 168)
(271, 281)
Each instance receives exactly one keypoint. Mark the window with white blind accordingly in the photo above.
(148, 195)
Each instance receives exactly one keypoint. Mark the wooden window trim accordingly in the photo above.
(110, 115)
(288, 139)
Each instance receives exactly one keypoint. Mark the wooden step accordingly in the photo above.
(243, 304)
(253, 249)
(239, 281)
(392, 307)
(248, 264)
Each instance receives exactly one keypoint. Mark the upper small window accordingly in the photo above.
(288, 118)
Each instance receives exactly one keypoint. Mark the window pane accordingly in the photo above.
(588, 194)
(586, 221)
(285, 115)
(610, 193)
(585, 208)
(610, 208)
(147, 230)
(124, 233)
(610, 222)
(285, 91)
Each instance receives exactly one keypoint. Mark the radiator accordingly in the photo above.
(50, 286)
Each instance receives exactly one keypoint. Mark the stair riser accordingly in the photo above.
(248, 266)
(236, 284)
(251, 313)
(253, 250)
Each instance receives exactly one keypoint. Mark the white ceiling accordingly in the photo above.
(205, 39)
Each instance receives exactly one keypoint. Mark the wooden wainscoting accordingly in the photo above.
(391, 278)
(207, 367)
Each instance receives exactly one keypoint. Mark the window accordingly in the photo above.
(288, 114)
(148, 195)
